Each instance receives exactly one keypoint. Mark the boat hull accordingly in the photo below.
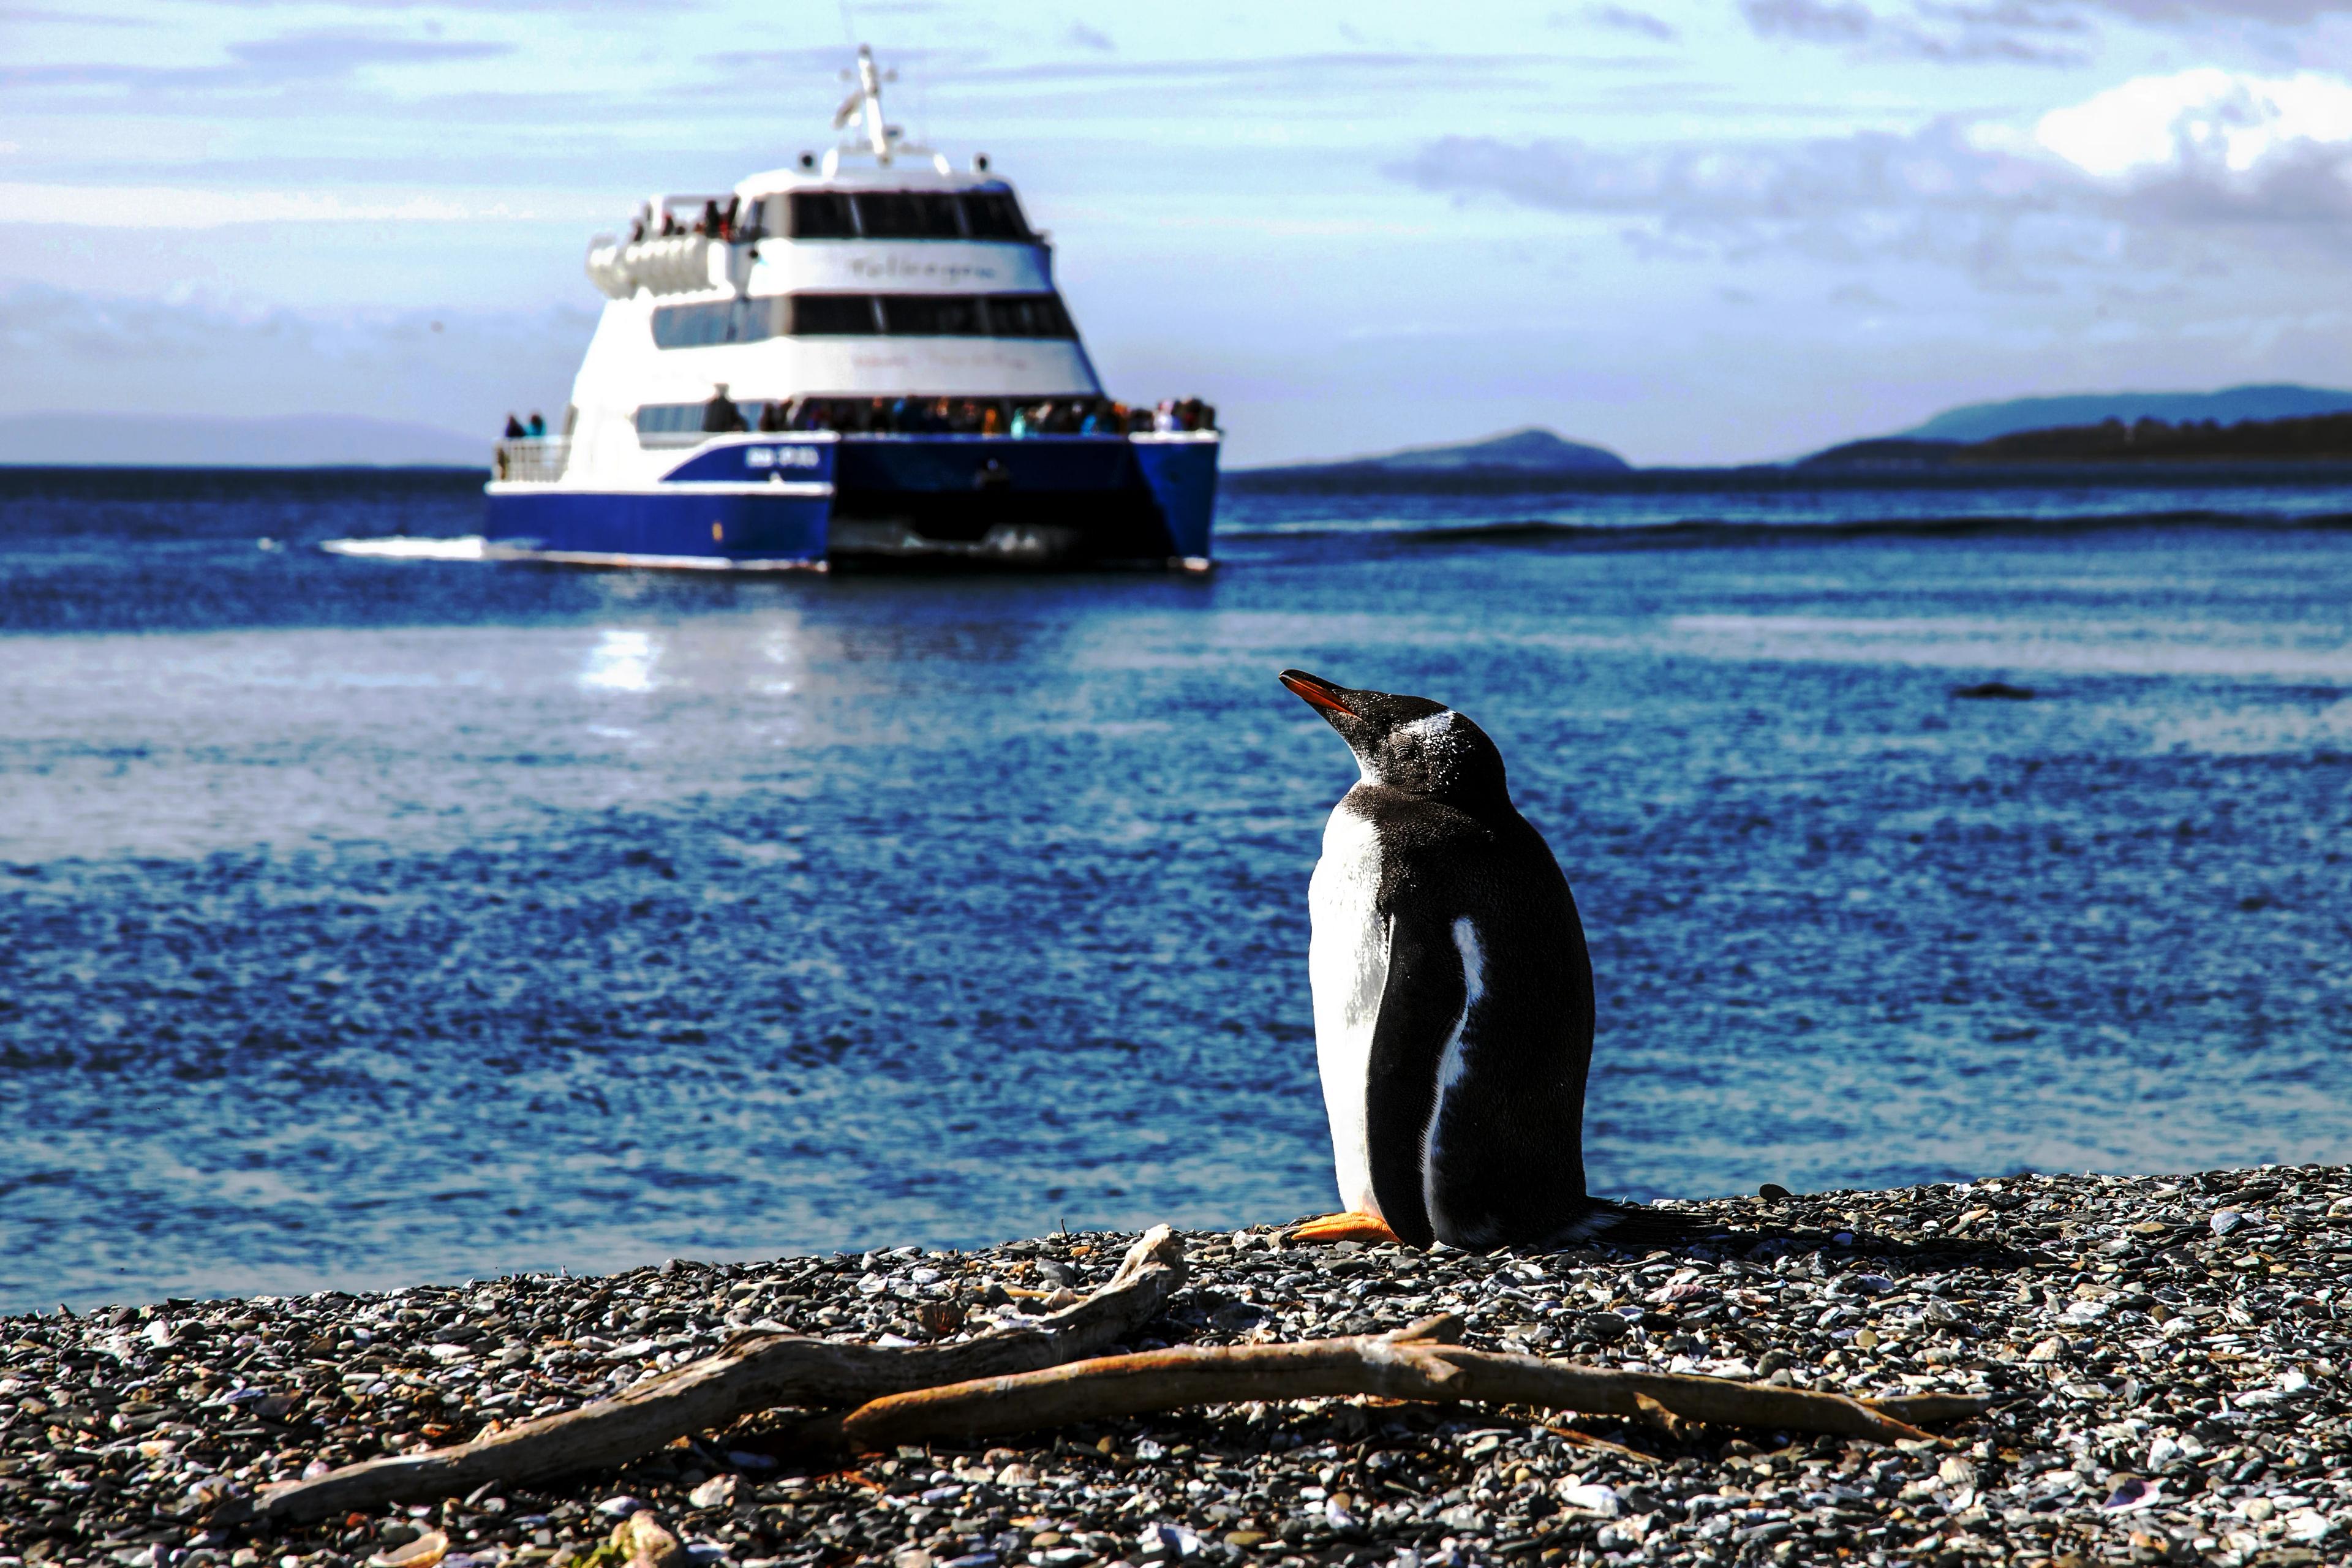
(771, 503)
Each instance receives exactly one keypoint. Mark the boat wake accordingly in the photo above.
(468, 547)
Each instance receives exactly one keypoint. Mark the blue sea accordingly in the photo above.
(365, 922)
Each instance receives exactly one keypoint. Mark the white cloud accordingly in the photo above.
(2198, 118)
(173, 207)
(2201, 171)
(2022, 32)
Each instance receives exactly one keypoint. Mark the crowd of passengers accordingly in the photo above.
(716, 223)
(957, 416)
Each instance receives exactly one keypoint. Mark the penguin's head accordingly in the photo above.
(1407, 743)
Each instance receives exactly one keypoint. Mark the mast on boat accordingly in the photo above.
(864, 106)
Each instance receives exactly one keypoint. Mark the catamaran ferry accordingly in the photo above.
(861, 356)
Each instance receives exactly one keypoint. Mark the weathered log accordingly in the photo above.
(752, 1374)
(1410, 1364)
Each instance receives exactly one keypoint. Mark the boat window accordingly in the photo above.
(822, 214)
(1028, 316)
(893, 214)
(718, 321)
(658, 419)
(669, 419)
(908, 214)
(993, 215)
(715, 322)
(933, 316)
(940, 216)
(834, 315)
(692, 326)
(975, 315)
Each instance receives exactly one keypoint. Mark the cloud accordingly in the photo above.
(2190, 13)
(1705, 185)
(2202, 167)
(2203, 114)
(1624, 20)
(1086, 37)
(340, 52)
(1813, 21)
(1249, 74)
(666, 8)
(174, 206)
(2019, 32)
(309, 57)
(68, 18)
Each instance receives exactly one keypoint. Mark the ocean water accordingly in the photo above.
(365, 922)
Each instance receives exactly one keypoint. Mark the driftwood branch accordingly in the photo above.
(752, 1374)
(1411, 1363)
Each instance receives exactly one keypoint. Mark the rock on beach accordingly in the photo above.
(2173, 1352)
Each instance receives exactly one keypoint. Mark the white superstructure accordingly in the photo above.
(874, 270)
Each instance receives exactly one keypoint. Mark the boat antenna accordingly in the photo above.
(865, 105)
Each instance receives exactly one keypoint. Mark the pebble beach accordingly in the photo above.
(2171, 1353)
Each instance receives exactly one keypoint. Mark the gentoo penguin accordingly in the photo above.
(1453, 994)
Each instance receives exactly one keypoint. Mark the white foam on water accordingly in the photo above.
(469, 547)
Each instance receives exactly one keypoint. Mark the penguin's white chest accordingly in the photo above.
(1348, 967)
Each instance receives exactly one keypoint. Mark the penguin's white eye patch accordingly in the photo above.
(1430, 728)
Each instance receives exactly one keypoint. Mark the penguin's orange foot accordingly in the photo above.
(1342, 1227)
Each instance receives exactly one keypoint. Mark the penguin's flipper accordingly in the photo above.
(1422, 1008)
(1342, 1227)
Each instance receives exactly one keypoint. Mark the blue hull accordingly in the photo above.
(755, 501)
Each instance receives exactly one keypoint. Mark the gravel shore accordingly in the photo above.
(2175, 1351)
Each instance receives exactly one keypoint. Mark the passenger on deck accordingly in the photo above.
(719, 415)
(514, 428)
(772, 416)
(537, 425)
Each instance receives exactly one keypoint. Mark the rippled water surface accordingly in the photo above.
(363, 922)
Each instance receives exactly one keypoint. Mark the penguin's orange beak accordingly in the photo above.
(1315, 692)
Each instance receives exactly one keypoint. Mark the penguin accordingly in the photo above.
(1452, 994)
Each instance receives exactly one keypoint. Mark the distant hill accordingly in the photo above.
(2324, 438)
(1985, 421)
(1529, 452)
(285, 441)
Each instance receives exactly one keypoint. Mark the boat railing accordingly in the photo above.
(532, 460)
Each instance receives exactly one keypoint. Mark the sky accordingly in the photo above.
(1695, 231)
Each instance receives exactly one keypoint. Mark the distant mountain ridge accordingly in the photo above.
(1988, 421)
(2318, 438)
(1530, 451)
(205, 441)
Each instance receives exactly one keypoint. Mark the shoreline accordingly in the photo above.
(2174, 1349)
